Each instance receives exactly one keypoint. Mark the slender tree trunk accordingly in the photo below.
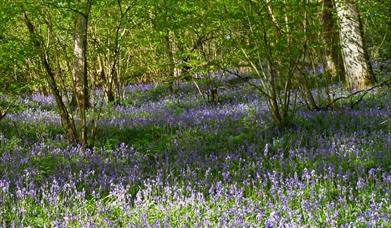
(113, 92)
(80, 77)
(358, 70)
(170, 53)
(112, 81)
(66, 120)
(334, 65)
(170, 49)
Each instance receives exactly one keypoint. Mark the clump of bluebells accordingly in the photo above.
(200, 165)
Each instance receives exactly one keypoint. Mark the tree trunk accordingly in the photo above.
(170, 49)
(170, 53)
(113, 90)
(358, 71)
(80, 77)
(66, 120)
(334, 65)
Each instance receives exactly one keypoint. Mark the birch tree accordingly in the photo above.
(358, 71)
(80, 76)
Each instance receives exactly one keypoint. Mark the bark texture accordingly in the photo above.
(358, 71)
(80, 75)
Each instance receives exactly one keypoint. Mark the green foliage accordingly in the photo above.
(277, 43)
(376, 19)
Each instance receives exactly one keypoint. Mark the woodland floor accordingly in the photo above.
(177, 160)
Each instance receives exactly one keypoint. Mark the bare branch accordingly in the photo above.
(363, 92)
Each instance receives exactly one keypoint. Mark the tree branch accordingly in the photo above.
(364, 92)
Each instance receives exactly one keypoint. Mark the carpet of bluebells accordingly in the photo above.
(175, 160)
